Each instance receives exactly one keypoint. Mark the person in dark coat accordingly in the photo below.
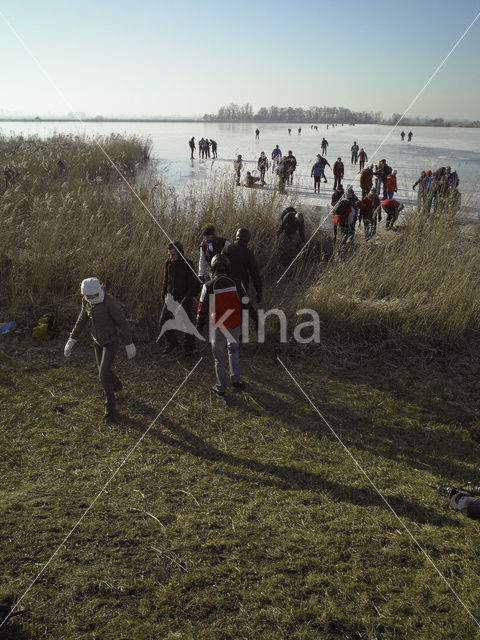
(291, 165)
(214, 148)
(291, 235)
(181, 283)
(191, 144)
(243, 264)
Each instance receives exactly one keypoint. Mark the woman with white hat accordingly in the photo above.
(107, 320)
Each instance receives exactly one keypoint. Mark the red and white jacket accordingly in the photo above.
(226, 302)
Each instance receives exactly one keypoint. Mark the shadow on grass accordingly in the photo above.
(281, 477)
(13, 631)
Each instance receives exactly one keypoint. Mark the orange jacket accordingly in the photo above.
(392, 182)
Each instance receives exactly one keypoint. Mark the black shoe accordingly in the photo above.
(117, 387)
(216, 392)
(169, 348)
(238, 386)
(110, 415)
(444, 490)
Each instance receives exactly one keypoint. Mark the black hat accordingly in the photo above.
(178, 246)
(220, 263)
(243, 234)
(208, 230)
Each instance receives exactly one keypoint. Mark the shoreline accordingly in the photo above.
(449, 125)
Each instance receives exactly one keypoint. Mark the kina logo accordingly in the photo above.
(180, 321)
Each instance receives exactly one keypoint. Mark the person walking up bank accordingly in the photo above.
(181, 283)
(107, 320)
(211, 245)
(243, 263)
(223, 297)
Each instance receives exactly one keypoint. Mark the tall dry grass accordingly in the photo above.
(421, 281)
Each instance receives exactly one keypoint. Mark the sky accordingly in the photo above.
(190, 57)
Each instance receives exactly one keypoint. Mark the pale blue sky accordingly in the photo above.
(184, 57)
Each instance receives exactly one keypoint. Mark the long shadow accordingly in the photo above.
(13, 631)
(411, 446)
(281, 477)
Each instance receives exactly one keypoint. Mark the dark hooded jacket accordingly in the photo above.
(180, 279)
(243, 265)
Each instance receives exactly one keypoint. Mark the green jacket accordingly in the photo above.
(107, 320)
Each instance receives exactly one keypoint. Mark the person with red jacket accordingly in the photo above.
(370, 213)
(223, 298)
(366, 180)
(391, 184)
(338, 171)
(392, 208)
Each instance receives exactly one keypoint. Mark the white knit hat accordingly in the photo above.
(90, 286)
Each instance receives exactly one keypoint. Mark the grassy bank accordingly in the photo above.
(420, 283)
(250, 524)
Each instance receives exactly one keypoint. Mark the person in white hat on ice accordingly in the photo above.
(107, 320)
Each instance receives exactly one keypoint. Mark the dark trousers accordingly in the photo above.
(316, 183)
(465, 503)
(170, 335)
(391, 216)
(337, 180)
(108, 378)
(362, 163)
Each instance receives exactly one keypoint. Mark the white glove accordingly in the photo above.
(68, 347)
(131, 351)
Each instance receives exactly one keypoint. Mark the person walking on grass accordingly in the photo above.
(243, 264)
(362, 159)
(182, 285)
(191, 144)
(238, 166)
(392, 209)
(210, 247)
(262, 166)
(391, 184)
(107, 320)
(338, 171)
(223, 298)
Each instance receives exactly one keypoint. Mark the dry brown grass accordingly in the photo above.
(422, 281)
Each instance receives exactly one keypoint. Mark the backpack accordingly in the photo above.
(46, 328)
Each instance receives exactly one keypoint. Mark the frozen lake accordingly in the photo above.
(431, 147)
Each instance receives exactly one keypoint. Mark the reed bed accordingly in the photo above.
(420, 281)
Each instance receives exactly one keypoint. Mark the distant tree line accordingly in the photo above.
(244, 113)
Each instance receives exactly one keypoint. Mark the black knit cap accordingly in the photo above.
(208, 230)
(177, 245)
